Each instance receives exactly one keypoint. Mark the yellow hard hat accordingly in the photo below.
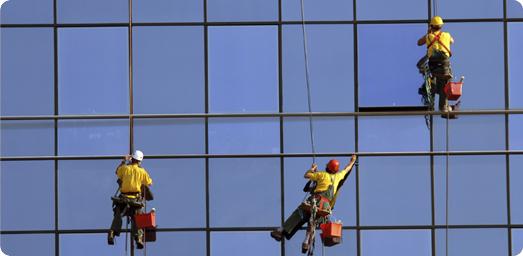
(436, 21)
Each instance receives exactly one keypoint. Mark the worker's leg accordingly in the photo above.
(135, 231)
(443, 101)
(116, 225)
(294, 222)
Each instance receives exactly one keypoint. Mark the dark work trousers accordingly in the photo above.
(300, 216)
(123, 208)
(439, 66)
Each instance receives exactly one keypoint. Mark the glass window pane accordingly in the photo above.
(295, 168)
(93, 137)
(27, 66)
(331, 134)
(331, 68)
(477, 242)
(168, 69)
(517, 241)
(516, 132)
(514, 9)
(397, 186)
(477, 190)
(239, 201)
(243, 136)
(243, 10)
(243, 243)
(178, 178)
(406, 133)
(22, 181)
(484, 84)
(396, 242)
(389, 77)
(178, 243)
(515, 40)
(93, 70)
(85, 188)
(80, 11)
(91, 244)
(468, 133)
(317, 10)
(170, 136)
(243, 69)
(348, 246)
(27, 138)
(28, 244)
(516, 190)
(167, 11)
(391, 10)
(26, 12)
(470, 9)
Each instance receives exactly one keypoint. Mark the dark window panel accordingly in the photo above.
(243, 136)
(517, 241)
(167, 11)
(80, 11)
(244, 192)
(91, 244)
(170, 136)
(93, 137)
(27, 81)
(178, 243)
(477, 242)
(396, 242)
(484, 83)
(21, 181)
(331, 134)
(28, 244)
(470, 9)
(395, 191)
(85, 188)
(243, 243)
(477, 190)
(514, 9)
(468, 132)
(391, 10)
(515, 62)
(516, 132)
(27, 138)
(243, 69)
(26, 12)
(93, 71)
(387, 64)
(315, 10)
(516, 190)
(242, 10)
(178, 187)
(406, 133)
(295, 168)
(168, 69)
(331, 68)
(348, 246)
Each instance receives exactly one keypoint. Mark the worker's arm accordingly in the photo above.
(348, 167)
(310, 173)
(126, 158)
(451, 39)
(422, 40)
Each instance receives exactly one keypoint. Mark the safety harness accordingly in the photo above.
(437, 39)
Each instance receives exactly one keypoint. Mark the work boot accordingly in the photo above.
(277, 234)
(139, 242)
(110, 237)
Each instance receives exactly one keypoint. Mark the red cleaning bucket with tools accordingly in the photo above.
(453, 90)
(145, 220)
(331, 233)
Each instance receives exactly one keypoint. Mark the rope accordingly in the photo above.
(434, 8)
(447, 186)
(307, 80)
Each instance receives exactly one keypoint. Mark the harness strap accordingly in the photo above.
(437, 39)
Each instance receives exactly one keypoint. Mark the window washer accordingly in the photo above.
(438, 54)
(327, 188)
(133, 181)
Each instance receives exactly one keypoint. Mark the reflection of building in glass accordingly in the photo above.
(218, 100)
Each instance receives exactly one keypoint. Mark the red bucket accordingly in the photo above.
(453, 90)
(331, 233)
(145, 220)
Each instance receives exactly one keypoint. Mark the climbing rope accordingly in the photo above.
(447, 186)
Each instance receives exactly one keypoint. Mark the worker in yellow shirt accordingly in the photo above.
(438, 53)
(131, 178)
(327, 185)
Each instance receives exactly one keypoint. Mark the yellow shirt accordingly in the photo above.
(444, 38)
(323, 180)
(133, 177)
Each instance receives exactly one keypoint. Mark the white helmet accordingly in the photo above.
(137, 155)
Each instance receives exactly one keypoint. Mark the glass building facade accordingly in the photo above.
(214, 92)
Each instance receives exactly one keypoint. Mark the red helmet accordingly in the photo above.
(333, 166)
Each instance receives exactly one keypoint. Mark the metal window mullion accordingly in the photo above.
(56, 113)
(281, 119)
(206, 85)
